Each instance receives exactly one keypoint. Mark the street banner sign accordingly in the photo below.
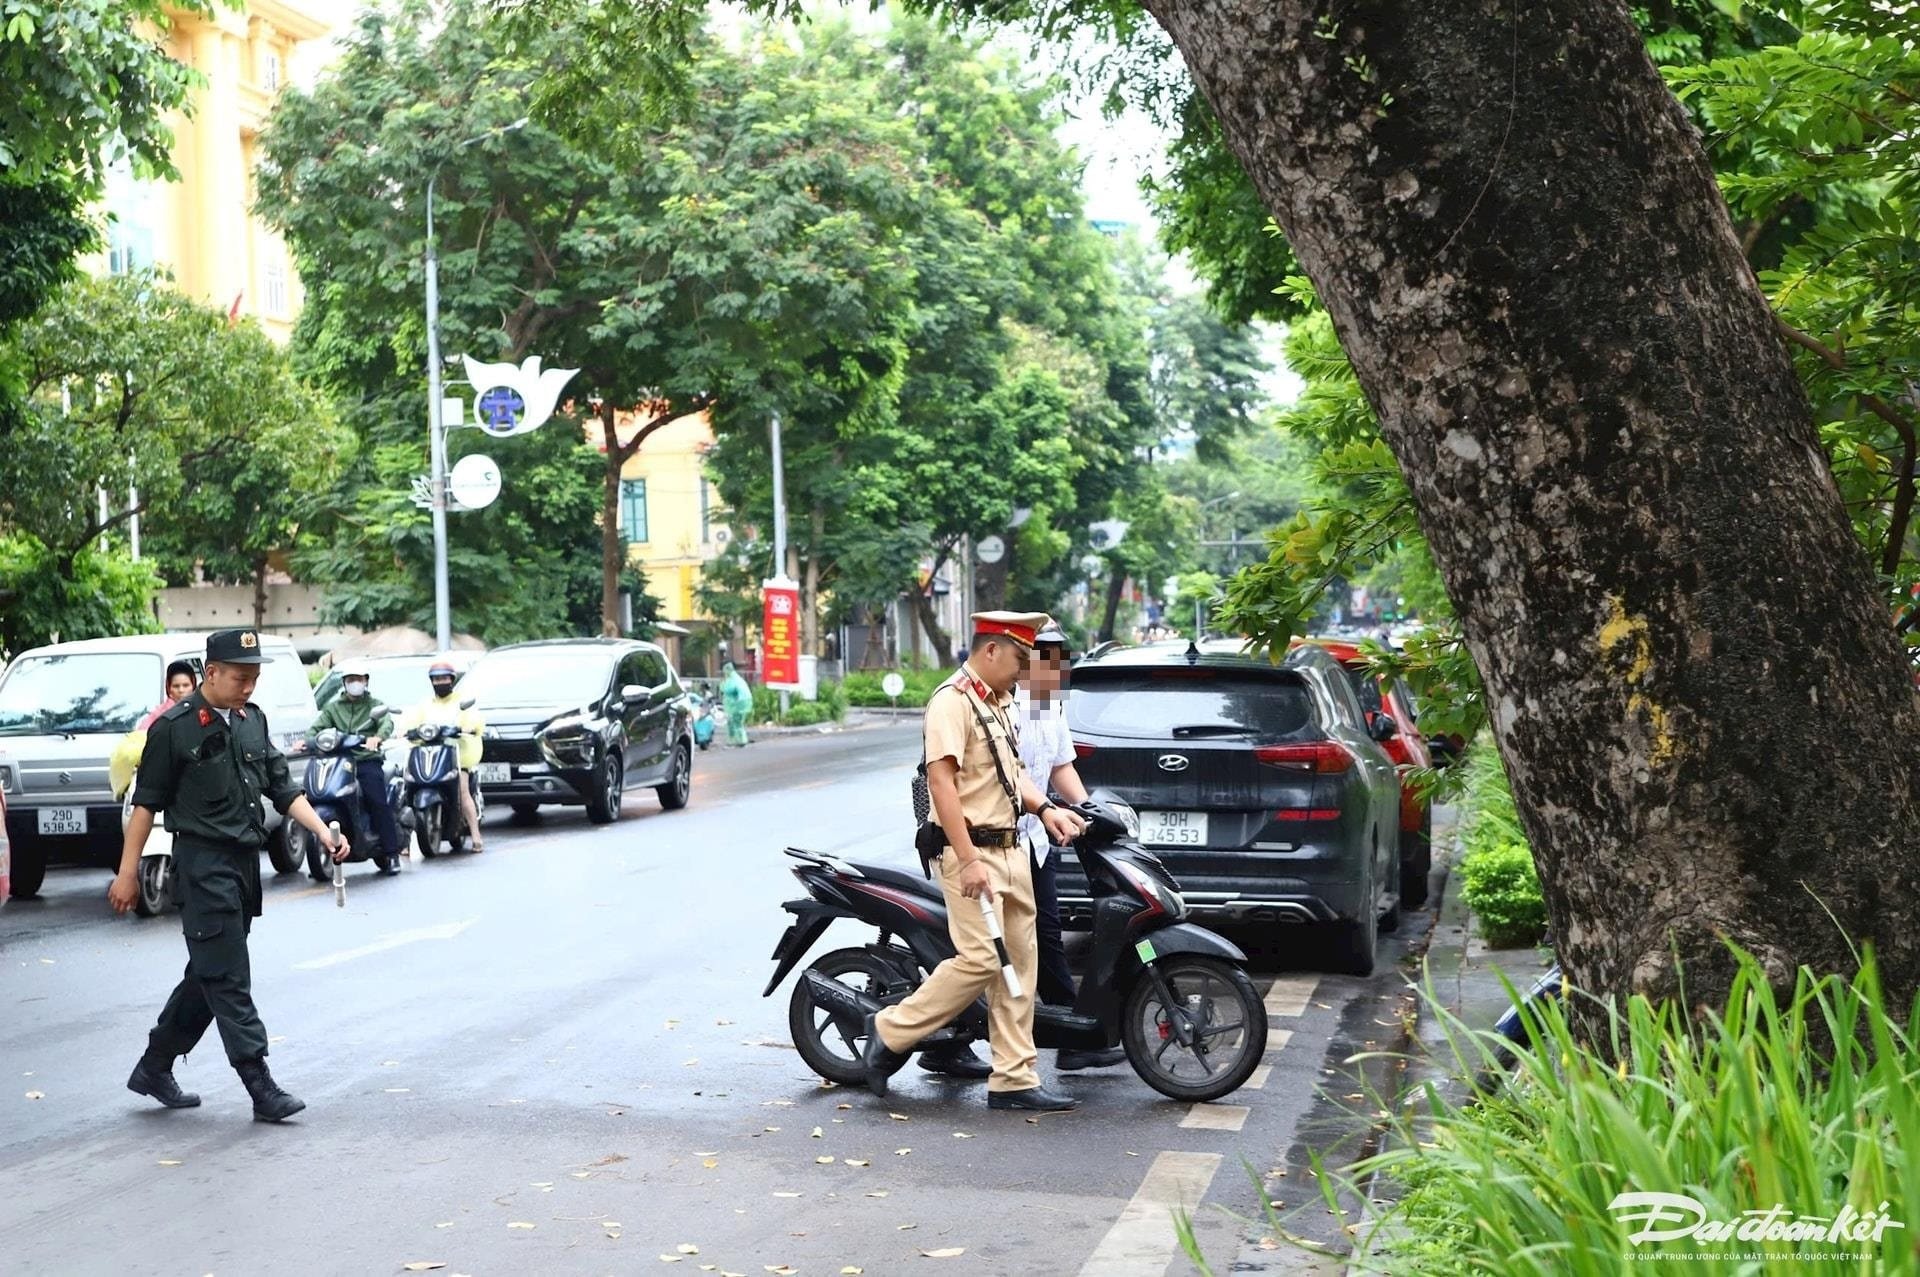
(509, 400)
(780, 634)
(991, 550)
(475, 482)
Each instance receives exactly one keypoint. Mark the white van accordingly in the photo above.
(62, 710)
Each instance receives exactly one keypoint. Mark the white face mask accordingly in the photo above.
(354, 687)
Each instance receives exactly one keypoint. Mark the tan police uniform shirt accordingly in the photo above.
(954, 730)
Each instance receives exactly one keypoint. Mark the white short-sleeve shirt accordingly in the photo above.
(1045, 743)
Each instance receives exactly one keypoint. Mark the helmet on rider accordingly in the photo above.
(442, 676)
(353, 678)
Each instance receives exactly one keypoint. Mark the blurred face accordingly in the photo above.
(1048, 673)
(354, 687)
(179, 687)
(229, 686)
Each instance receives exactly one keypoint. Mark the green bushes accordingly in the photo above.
(831, 707)
(1808, 1105)
(863, 687)
(1499, 881)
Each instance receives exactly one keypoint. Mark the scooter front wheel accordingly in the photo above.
(426, 831)
(1208, 1043)
(829, 1049)
(154, 874)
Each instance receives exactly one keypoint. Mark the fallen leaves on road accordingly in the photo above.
(789, 1194)
(901, 1152)
(856, 1162)
(780, 1270)
(670, 1259)
(520, 1223)
(878, 1192)
(851, 1271)
(691, 1063)
(945, 1252)
(772, 1130)
(399, 1090)
(710, 1163)
(448, 1224)
(906, 1228)
(723, 1023)
(424, 1265)
(687, 1248)
(36, 1095)
(581, 1175)
(898, 1117)
(823, 1161)
(169, 1162)
(673, 1024)
(818, 1133)
(961, 1135)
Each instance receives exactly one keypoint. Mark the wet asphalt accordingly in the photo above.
(554, 1058)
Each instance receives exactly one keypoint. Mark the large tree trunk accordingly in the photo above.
(1691, 675)
(990, 580)
(1116, 585)
(810, 585)
(613, 548)
(259, 590)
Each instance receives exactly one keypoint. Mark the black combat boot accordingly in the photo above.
(270, 1103)
(154, 1076)
(879, 1062)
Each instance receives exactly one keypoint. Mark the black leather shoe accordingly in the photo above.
(154, 1076)
(955, 1060)
(388, 866)
(1037, 1099)
(879, 1062)
(1069, 1061)
(270, 1103)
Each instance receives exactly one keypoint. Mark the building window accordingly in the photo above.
(706, 511)
(270, 73)
(130, 220)
(633, 510)
(276, 289)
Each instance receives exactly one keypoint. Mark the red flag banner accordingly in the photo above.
(780, 637)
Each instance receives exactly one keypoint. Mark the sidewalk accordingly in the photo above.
(1464, 976)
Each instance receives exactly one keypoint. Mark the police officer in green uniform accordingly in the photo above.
(207, 764)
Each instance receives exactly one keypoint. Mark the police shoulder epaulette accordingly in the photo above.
(177, 710)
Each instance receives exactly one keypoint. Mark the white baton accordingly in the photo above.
(339, 872)
(1000, 946)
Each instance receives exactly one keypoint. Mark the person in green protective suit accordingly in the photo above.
(738, 699)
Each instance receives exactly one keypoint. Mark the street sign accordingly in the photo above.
(475, 482)
(780, 633)
(893, 685)
(991, 550)
(1090, 564)
(509, 400)
(1107, 534)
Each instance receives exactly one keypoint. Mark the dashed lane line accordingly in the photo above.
(1215, 1117)
(1257, 1080)
(1289, 995)
(1142, 1241)
(1277, 1039)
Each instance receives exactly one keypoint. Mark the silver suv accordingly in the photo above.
(63, 709)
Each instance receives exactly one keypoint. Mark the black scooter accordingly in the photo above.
(332, 786)
(1174, 994)
(429, 801)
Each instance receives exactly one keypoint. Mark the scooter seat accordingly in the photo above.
(915, 883)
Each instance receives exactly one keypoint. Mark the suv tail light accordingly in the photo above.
(1321, 757)
(1082, 750)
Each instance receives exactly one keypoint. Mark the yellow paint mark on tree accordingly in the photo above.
(1622, 628)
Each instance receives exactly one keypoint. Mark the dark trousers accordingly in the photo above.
(373, 792)
(1056, 977)
(218, 897)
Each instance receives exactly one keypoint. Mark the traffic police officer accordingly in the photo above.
(208, 762)
(978, 791)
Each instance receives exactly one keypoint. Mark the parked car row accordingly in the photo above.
(1275, 793)
(571, 722)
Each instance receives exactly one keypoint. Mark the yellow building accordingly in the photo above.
(200, 230)
(670, 514)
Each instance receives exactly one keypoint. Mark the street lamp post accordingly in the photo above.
(436, 428)
(1208, 505)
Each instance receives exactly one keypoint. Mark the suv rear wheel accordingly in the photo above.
(29, 870)
(1416, 863)
(1355, 942)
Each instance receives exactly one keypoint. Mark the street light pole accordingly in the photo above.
(436, 428)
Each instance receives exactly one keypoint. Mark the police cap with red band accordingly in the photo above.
(1021, 627)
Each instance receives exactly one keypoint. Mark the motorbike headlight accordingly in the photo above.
(1128, 817)
(327, 741)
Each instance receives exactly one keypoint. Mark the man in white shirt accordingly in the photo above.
(1046, 753)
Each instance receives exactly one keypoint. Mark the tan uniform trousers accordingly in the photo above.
(975, 969)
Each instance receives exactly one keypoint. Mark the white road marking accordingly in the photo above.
(1289, 995)
(1142, 1241)
(1277, 1039)
(445, 931)
(1215, 1117)
(1257, 1080)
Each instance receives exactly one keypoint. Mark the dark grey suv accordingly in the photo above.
(1261, 786)
(580, 722)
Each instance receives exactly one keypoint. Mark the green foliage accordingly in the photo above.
(862, 687)
(91, 593)
(1500, 883)
(1804, 1101)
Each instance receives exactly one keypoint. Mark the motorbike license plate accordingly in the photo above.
(493, 773)
(63, 820)
(1173, 828)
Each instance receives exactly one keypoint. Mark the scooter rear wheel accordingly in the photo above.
(154, 874)
(319, 864)
(1231, 1019)
(827, 1049)
(283, 848)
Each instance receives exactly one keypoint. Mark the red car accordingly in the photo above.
(1408, 749)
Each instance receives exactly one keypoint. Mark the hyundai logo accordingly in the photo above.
(1173, 762)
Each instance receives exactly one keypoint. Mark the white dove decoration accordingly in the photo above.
(535, 389)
